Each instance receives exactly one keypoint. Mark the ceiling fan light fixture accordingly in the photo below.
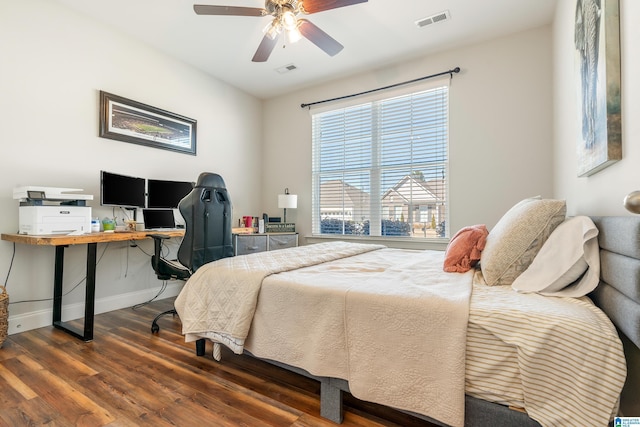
(289, 20)
(294, 35)
(272, 29)
(290, 24)
(286, 22)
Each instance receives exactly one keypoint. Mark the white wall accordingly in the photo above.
(500, 133)
(54, 63)
(603, 192)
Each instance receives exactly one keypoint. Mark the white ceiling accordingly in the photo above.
(375, 34)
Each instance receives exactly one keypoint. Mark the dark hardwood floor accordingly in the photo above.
(129, 377)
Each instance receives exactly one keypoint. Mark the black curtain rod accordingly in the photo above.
(450, 72)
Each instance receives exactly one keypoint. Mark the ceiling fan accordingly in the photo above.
(285, 19)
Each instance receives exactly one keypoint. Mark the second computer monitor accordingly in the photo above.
(166, 194)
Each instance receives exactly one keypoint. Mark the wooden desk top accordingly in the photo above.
(65, 239)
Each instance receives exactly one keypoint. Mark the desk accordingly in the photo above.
(91, 240)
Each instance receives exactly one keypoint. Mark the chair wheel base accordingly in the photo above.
(154, 325)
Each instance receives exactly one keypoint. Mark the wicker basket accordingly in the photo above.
(4, 314)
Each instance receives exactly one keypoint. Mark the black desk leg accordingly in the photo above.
(89, 299)
(90, 292)
(57, 285)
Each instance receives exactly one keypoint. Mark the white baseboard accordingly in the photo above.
(38, 319)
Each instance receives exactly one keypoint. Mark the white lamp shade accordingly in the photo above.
(287, 201)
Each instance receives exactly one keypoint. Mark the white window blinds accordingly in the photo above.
(380, 168)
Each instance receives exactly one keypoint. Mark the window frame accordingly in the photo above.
(375, 204)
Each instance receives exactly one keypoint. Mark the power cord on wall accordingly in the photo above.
(160, 292)
(164, 282)
(66, 293)
(13, 255)
(132, 244)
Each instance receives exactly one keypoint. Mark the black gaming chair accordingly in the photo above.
(207, 214)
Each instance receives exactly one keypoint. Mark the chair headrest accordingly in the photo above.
(208, 179)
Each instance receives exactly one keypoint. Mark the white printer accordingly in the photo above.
(51, 210)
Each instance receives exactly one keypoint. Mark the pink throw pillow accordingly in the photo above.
(463, 251)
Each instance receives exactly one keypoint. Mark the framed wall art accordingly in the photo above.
(125, 120)
(597, 60)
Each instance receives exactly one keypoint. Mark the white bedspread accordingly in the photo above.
(406, 334)
(219, 300)
(398, 335)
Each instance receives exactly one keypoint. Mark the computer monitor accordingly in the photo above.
(121, 190)
(158, 219)
(166, 194)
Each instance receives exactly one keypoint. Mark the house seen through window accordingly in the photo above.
(380, 167)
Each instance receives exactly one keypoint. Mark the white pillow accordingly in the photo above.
(568, 263)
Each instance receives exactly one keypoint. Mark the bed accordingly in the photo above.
(331, 315)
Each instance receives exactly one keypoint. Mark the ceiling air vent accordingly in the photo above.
(434, 19)
(286, 68)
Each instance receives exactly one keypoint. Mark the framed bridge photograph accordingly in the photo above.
(130, 121)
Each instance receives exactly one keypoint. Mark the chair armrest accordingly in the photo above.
(157, 249)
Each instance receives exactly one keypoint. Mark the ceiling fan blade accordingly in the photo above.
(318, 37)
(205, 9)
(264, 50)
(313, 6)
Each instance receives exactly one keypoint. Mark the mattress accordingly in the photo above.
(558, 358)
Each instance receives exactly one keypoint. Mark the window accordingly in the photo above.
(380, 167)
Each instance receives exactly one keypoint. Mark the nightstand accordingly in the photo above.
(244, 244)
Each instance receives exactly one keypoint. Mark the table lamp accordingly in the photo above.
(287, 201)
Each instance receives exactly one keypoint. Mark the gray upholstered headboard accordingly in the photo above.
(618, 294)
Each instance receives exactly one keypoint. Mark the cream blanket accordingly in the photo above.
(406, 336)
(219, 300)
(390, 322)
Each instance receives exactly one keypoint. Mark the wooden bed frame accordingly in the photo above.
(618, 295)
